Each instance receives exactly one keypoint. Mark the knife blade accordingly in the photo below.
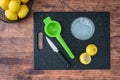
(55, 49)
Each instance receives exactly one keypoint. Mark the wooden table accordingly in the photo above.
(16, 43)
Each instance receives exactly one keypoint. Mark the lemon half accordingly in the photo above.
(85, 58)
(91, 49)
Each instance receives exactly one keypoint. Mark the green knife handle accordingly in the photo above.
(64, 45)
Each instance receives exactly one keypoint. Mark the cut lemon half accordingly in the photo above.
(85, 58)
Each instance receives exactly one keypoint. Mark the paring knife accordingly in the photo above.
(55, 49)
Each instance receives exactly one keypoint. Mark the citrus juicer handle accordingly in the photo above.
(64, 45)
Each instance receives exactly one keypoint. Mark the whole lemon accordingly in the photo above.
(14, 6)
(10, 15)
(23, 11)
(4, 4)
(19, 1)
(24, 1)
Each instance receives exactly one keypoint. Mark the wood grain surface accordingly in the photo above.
(16, 43)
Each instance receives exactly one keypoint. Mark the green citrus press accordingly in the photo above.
(53, 29)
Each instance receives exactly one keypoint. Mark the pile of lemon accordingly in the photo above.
(14, 9)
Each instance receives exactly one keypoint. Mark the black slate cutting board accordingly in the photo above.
(46, 59)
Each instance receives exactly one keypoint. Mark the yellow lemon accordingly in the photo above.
(14, 6)
(10, 15)
(4, 4)
(91, 49)
(85, 58)
(19, 1)
(24, 1)
(23, 11)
